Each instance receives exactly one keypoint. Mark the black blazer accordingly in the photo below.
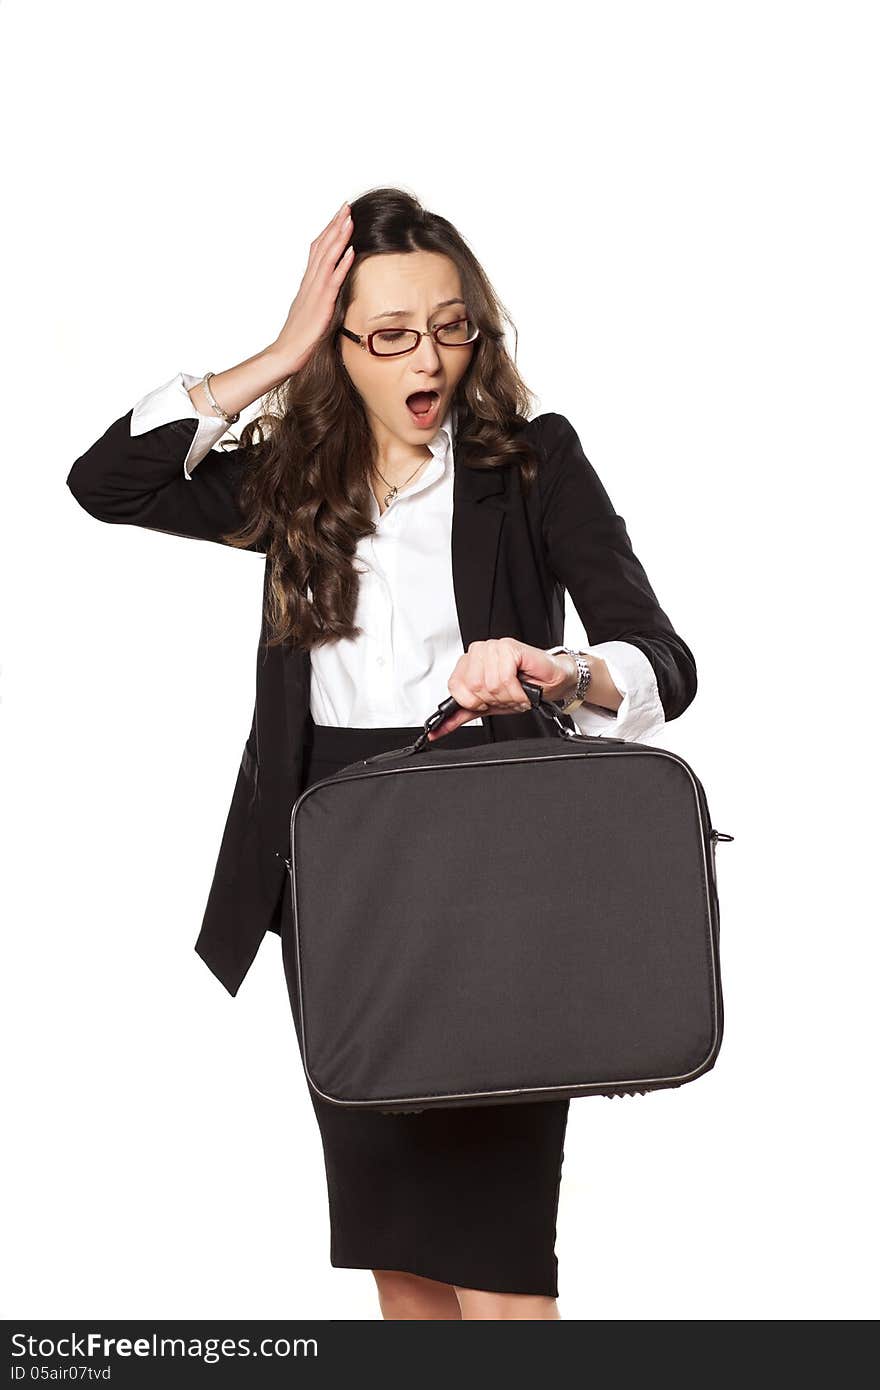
(514, 553)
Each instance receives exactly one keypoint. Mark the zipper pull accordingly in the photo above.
(720, 835)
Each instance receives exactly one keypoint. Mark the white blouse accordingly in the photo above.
(396, 672)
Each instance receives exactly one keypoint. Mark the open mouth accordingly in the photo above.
(422, 406)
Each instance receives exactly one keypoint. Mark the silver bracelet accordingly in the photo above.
(217, 409)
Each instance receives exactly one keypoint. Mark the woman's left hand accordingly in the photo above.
(486, 680)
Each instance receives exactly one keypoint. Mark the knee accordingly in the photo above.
(481, 1304)
(403, 1295)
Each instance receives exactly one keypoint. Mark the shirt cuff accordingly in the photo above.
(640, 715)
(172, 402)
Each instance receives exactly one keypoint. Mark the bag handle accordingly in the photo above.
(536, 698)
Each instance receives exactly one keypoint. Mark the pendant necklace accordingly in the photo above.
(389, 496)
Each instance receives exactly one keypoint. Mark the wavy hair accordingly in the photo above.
(311, 452)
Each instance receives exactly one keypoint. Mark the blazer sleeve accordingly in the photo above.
(136, 474)
(589, 551)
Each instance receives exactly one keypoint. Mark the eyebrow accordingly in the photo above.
(399, 313)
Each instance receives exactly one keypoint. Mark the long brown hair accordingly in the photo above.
(305, 490)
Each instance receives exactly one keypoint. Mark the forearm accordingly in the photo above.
(238, 387)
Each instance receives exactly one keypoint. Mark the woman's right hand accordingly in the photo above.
(312, 309)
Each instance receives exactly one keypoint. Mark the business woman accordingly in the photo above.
(419, 533)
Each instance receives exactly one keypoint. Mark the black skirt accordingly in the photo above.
(464, 1195)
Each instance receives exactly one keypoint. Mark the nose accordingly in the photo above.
(426, 354)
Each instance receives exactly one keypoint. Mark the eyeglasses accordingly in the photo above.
(394, 342)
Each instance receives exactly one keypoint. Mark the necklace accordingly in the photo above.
(394, 488)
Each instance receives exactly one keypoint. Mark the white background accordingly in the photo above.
(678, 204)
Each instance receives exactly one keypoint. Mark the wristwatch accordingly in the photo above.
(584, 674)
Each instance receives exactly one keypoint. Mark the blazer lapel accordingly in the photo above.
(477, 516)
(296, 673)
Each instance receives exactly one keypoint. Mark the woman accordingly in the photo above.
(420, 533)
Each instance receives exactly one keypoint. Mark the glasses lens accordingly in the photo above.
(389, 341)
(462, 331)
